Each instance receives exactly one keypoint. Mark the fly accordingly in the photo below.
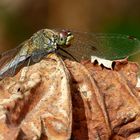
(77, 45)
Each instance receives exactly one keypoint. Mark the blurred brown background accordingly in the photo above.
(19, 19)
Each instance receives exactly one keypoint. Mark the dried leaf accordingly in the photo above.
(56, 100)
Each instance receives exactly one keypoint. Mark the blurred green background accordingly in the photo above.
(19, 19)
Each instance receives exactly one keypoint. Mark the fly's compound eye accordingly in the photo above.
(62, 40)
(65, 38)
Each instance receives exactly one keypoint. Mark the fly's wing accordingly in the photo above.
(108, 46)
(7, 56)
(5, 59)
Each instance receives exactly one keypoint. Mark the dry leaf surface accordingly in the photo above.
(53, 100)
(36, 103)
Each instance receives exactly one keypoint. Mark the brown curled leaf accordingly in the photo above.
(61, 100)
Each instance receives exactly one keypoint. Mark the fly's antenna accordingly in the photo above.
(68, 53)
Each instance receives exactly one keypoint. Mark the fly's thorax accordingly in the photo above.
(44, 39)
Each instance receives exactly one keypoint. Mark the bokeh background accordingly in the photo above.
(19, 19)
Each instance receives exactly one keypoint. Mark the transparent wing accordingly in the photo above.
(5, 61)
(108, 46)
(8, 55)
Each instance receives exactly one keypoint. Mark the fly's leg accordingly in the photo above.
(68, 54)
(25, 70)
(63, 56)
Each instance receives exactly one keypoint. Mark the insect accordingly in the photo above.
(76, 45)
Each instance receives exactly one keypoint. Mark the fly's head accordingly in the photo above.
(64, 38)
